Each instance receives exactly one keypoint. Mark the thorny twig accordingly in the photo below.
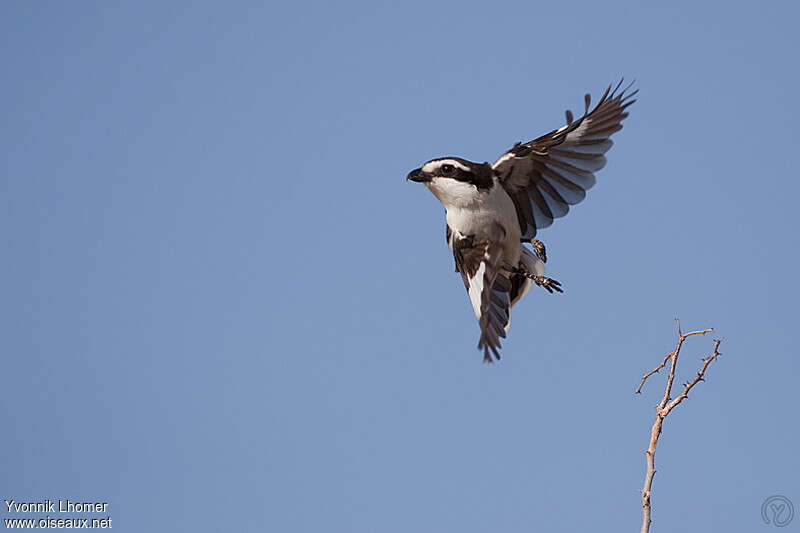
(665, 406)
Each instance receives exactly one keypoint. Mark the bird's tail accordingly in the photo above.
(494, 317)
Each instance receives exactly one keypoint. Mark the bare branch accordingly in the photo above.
(663, 409)
(655, 370)
(681, 338)
(698, 378)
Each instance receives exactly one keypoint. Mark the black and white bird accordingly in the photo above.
(493, 210)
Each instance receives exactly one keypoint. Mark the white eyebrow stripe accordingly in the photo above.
(434, 165)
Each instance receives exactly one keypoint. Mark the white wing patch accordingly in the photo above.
(503, 158)
(475, 289)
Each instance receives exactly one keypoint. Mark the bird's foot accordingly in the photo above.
(548, 283)
(538, 248)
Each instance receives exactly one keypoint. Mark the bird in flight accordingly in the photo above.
(494, 210)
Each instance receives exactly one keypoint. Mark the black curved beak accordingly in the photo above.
(418, 175)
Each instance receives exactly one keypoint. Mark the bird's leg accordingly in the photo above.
(538, 248)
(549, 284)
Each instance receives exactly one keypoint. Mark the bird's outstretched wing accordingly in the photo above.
(479, 263)
(547, 175)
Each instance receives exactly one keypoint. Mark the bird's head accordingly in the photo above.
(453, 180)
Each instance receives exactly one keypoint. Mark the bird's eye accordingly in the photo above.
(447, 169)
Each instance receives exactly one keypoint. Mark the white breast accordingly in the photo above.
(474, 212)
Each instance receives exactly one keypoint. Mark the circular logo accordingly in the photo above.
(777, 510)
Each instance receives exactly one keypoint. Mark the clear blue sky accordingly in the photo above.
(224, 309)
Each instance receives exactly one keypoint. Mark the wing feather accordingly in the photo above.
(548, 174)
